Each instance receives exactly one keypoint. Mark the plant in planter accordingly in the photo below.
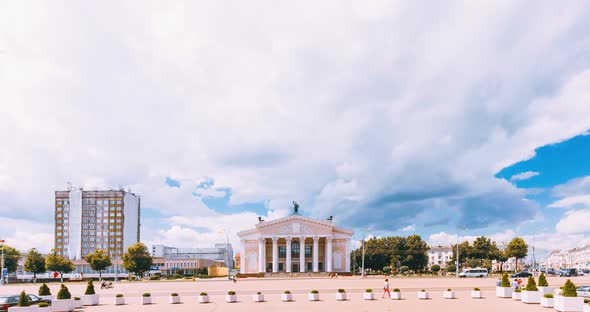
(531, 293)
(547, 301)
(313, 295)
(544, 285)
(90, 297)
(504, 290)
(517, 294)
(203, 297)
(368, 294)
(476, 293)
(43, 307)
(146, 298)
(286, 296)
(174, 298)
(587, 307)
(449, 294)
(341, 295)
(569, 300)
(44, 292)
(78, 302)
(259, 297)
(397, 294)
(423, 294)
(23, 304)
(64, 301)
(119, 299)
(231, 297)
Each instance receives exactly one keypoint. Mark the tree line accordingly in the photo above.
(136, 259)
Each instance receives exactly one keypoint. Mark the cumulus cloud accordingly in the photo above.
(524, 176)
(574, 222)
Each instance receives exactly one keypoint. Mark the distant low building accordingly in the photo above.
(221, 252)
(439, 255)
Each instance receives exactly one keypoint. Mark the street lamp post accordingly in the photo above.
(2, 264)
(363, 255)
(226, 232)
(457, 266)
(535, 259)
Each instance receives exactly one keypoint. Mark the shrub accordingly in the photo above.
(517, 290)
(341, 290)
(396, 290)
(548, 295)
(403, 269)
(314, 291)
(23, 300)
(435, 268)
(44, 290)
(147, 295)
(569, 289)
(90, 288)
(259, 293)
(543, 280)
(231, 292)
(64, 293)
(286, 292)
(448, 289)
(119, 296)
(174, 294)
(531, 285)
(203, 294)
(476, 289)
(505, 281)
(154, 278)
(43, 304)
(368, 290)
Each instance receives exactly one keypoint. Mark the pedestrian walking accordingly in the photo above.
(386, 289)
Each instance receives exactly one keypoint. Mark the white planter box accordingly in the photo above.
(287, 297)
(516, 295)
(423, 295)
(62, 305)
(341, 296)
(504, 292)
(24, 309)
(449, 294)
(46, 309)
(396, 295)
(586, 308)
(203, 299)
(146, 300)
(547, 302)
(90, 300)
(545, 290)
(119, 300)
(78, 303)
(174, 299)
(557, 292)
(48, 297)
(258, 298)
(531, 296)
(231, 298)
(313, 297)
(569, 304)
(476, 294)
(369, 295)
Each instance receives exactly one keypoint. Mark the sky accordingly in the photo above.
(443, 119)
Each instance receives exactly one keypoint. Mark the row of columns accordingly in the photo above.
(288, 266)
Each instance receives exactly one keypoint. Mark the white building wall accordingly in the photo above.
(75, 226)
(131, 223)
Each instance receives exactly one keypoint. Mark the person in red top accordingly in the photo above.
(386, 289)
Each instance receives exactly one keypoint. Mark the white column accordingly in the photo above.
(347, 260)
(328, 254)
(243, 257)
(275, 254)
(261, 254)
(316, 256)
(288, 264)
(302, 254)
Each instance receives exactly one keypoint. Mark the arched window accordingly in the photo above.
(295, 249)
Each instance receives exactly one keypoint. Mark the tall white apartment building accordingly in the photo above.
(89, 220)
(439, 255)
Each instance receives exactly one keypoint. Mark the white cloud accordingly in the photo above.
(574, 222)
(524, 176)
(409, 228)
(572, 202)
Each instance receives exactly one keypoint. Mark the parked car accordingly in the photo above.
(568, 272)
(551, 271)
(477, 272)
(522, 274)
(12, 301)
(584, 291)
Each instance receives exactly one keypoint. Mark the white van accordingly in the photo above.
(477, 272)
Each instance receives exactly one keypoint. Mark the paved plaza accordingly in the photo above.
(272, 288)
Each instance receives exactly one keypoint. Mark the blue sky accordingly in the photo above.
(384, 114)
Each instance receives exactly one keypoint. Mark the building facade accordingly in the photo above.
(439, 255)
(578, 258)
(295, 244)
(89, 220)
(221, 252)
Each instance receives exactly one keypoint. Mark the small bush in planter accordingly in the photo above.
(505, 281)
(90, 288)
(259, 293)
(77, 298)
(286, 292)
(569, 289)
(44, 290)
(63, 293)
(517, 290)
(548, 296)
(448, 289)
(423, 290)
(174, 294)
(119, 296)
(396, 290)
(23, 300)
(203, 294)
(476, 289)
(314, 292)
(43, 304)
(543, 281)
(531, 285)
(369, 290)
(231, 292)
(147, 295)
(340, 290)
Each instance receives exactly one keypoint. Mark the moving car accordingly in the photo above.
(568, 272)
(7, 301)
(477, 272)
(584, 291)
(521, 274)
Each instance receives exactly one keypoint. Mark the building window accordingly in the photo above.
(295, 249)
(282, 251)
(308, 251)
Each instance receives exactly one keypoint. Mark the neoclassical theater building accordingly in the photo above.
(295, 244)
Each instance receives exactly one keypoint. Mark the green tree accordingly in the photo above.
(11, 257)
(435, 268)
(464, 253)
(517, 248)
(500, 256)
(57, 263)
(137, 259)
(416, 257)
(450, 267)
(98, 261)
(35, 263)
